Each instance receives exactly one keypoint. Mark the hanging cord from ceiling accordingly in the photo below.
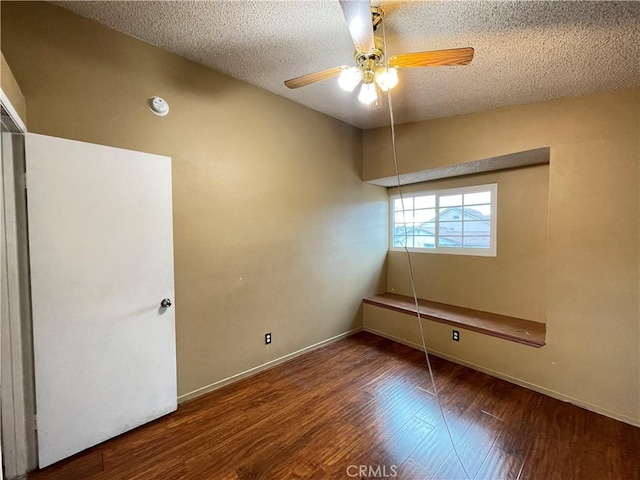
(410, 265)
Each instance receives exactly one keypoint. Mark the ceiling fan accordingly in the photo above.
(371, 69)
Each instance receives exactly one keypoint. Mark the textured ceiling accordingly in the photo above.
(526, 52)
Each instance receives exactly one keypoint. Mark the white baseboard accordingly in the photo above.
(265, 366)
(531, 386)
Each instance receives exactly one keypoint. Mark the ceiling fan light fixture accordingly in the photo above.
(368, 93)
(350, 78)
(386, 78)
(372, 69)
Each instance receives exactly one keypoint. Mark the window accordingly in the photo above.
(458, 221)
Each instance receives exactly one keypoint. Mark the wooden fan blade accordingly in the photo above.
(358, 16)
(436, 58)
(310, 78)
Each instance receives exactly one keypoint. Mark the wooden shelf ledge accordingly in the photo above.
(514, 329)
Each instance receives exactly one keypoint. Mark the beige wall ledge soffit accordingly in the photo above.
(503, 162)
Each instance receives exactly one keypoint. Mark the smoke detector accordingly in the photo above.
(159, 106)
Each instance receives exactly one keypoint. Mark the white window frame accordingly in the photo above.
(493, 229)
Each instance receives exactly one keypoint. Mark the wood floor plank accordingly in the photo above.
(501, 465)
(397, 449)
(78, 467)
(365, 401)
(431, 454)
(472, 448)
(410, 470)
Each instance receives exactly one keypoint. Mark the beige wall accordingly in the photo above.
(274, 229)
(11, 89)
(592, 252)
(514, 282)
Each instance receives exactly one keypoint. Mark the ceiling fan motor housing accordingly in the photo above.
(367, 62)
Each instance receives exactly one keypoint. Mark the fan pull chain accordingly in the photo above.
(411, 276)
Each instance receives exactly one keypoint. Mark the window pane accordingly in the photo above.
(450, 213)
(477, 242)
(482, 211)
(424, 241)
(424, 229)
(408, 204)
(422, 216)
(399, 241)
(403, 230)
(402, 217)
(427, 229)
(450, 200)
(409, 242)
(476, 198)
(402, 234)
(450, 241)
(477, 228)
(450, 228)
(425, 201)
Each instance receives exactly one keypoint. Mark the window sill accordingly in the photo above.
(472, 252)
(514, 329)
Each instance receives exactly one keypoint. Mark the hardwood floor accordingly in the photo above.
(363, 408)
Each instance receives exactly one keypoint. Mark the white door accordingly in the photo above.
(101, 248)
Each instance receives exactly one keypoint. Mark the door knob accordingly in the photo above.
(166, 303)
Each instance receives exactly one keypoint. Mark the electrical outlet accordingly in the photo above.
(267, 338)
(455, 336)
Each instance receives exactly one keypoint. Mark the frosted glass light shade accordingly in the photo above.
(387, 78)
(368, 93)
(349, 78)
